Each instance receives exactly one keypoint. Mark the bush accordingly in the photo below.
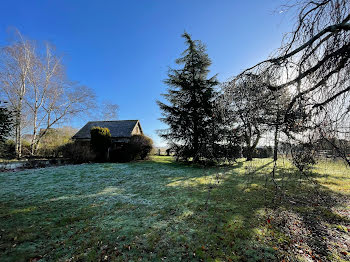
(8, 149)
(100, 141)
(139, 147)
(303, 157)
(264, 152)
(259, 152)
(78, 152)
(49, 151)
(51, 142)
(26, 149)
(232, 152)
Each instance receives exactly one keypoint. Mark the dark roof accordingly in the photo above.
(120, 128)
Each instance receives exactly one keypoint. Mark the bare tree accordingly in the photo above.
(34, 81)
(244, 100)
(104, 111)
(109, 111)
(63, 101)
(313, 65)
(16, 65)
(314, 62)
(46, 70)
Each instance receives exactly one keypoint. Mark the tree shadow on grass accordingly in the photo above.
(320, 210)
(308, 214)
(251, 228)
(150, 210)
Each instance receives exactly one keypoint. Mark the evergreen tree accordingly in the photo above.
(6, 122)
(190, 112)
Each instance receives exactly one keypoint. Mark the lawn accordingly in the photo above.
(161, 210)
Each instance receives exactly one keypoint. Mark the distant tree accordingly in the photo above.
(168, 150)
(189, 113)
(256, 109)
(109, 111)
(104, 111)
(303, 156)
(100, 141)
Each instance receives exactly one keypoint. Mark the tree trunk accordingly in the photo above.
(195, 142)
(250, 148)
(275, 152)
(249, 154)
(275, 148)
(33, 144)
(18, 130)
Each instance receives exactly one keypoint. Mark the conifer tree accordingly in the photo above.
(6, 122)
(190, 109)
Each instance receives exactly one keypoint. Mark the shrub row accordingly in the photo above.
(138, 148)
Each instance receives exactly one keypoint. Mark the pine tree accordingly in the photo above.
(6, 122)
(190, 111)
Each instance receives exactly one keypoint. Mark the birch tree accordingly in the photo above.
(34, 80)
(63, 101)
(16, 64)
(46, 70)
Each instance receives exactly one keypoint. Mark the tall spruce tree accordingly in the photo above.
(190, 112)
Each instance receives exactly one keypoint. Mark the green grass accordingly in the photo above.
(161, 210)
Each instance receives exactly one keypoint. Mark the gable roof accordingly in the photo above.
(120, 128)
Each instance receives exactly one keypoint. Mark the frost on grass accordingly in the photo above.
(158, 209)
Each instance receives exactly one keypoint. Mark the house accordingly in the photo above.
(121, 130)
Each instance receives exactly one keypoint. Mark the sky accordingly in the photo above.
(123, 49)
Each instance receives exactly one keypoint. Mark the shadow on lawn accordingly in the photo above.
(241, 225)
(179, 212)
(298, 221)
(315, 209)
(242, 222)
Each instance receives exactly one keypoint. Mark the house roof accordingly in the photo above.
(120, 128)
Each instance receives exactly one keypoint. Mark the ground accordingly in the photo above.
(161, 210)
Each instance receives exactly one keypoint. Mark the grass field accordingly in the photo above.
(160, 210)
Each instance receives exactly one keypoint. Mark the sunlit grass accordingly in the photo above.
(334, 175)
(158, 208)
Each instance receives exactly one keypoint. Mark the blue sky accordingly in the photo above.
(123, 49)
